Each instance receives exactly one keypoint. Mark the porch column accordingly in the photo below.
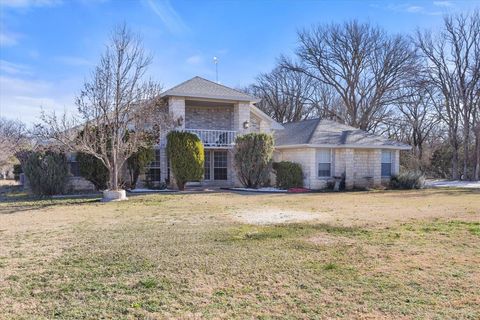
(377, 167)
(176, 106)
(241, 113)
(396, 162)
(349, 169)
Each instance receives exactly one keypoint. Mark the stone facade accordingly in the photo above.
(362, 167)
(212, 118)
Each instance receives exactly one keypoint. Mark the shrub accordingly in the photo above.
(408, 180)
(93, 170)
(137, 163)
(47, 172)
(253, 158)
(17, 170)
(288, 174)
(186, 154)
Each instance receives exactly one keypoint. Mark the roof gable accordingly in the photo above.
(330, 133)
(198, 87)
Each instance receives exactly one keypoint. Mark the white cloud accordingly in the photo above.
(443, 3)
(73, 61)
(13, 68)
(8, 39)
(29, 3)
(195, 59)
(414, 9)
(23, 99)
(170, 18)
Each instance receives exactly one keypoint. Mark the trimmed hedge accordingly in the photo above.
(47, 172)
(137, 163)
(93, 170)
(408, 180)
(288, 174)
(253, 158)
(186, 154)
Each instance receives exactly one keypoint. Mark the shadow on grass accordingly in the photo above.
(19, 202)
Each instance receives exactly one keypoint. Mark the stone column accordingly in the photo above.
(349, 168)
(241, 113)
(377, 167)
(176, 106)
(395, 162)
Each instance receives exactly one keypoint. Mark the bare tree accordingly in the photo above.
(453, 66)
(363, 64)
(118, 108)
(12, 139)
(417, 117)
(285, 95)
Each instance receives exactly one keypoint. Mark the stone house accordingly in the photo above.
(325, 149)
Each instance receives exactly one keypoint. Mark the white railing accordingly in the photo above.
(215, 138)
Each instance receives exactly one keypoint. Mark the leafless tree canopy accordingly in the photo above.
(118, 108)
(452, 63)
(363, 64)
(12, 139)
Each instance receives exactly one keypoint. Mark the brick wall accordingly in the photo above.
(211, 118)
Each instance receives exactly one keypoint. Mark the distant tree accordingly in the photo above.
(285, 95)
(362, 63)
(12, 139)
(452, 63)
(115, 101)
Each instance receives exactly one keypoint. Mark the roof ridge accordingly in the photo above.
(222, 85)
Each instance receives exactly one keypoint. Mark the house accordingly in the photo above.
(325, 149)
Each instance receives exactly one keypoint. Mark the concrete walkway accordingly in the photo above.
(453, 184)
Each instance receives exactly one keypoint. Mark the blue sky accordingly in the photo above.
(48, 47)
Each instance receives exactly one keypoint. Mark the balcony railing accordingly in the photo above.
(215, 138)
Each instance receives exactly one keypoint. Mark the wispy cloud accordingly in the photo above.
(194, 60)
(410, 8)
(444, 4)
(23, 98)
(29, 3)
(8, 39)
(170, 18)
(14, 68)
(73, 61)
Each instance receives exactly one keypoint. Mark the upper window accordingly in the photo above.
(386, 163)
(324, 159)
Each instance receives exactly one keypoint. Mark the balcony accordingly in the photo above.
(215, 138)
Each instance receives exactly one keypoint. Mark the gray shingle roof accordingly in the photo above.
(198, 87)
(327, 132)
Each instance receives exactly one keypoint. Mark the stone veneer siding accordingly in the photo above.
(362, 167)
(211, 118)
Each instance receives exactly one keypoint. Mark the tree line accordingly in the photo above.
(421, 88)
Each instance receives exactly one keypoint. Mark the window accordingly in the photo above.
(386, 163)
(73, 165)
(207, 165)
(220, 165)
(153, 171)
(324, 158)
(153, 175)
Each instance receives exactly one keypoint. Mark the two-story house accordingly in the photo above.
(325, 149)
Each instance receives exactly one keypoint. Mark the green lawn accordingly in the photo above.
(391, 254)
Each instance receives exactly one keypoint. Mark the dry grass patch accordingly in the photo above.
(366, 255)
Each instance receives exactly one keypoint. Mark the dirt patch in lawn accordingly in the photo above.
(276, 215)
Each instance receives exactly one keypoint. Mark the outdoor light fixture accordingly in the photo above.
(180, 121)
(246, 124)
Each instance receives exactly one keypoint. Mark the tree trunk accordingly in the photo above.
(455, 163)
(477, 156)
